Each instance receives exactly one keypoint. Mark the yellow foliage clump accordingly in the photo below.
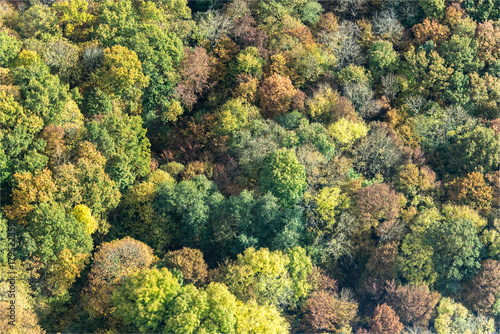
(84, 215)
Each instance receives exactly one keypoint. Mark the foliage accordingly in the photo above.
(144, 297)
(278, 163)
(190, 262)
(113, 262)
(284, 176)
(123, 142)
(385, 320)
(275, 95)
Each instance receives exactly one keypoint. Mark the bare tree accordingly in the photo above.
(387, 25)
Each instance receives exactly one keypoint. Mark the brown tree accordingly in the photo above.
(195, 71)
(481, 292)
(326, 312)
(471, 190)
(378, 203)
(190, 262)
(276, 95)
(382, 264)
(414, 304)
(245, 34)
(430, 30)
(488, 37)
(385, 321)
(113, 261)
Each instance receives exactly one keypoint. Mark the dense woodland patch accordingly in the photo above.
(251, 166)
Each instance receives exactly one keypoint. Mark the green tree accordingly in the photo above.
(20, 150)
(121, 76)
(254, 318)
(457, 252)
(41, 92)
(284, 176)
(261, 275)
(426, 71)
(454, 318)
(311, 12)
(144, 298)
(53, 230)
(433, 9)
(474, 151)
(86, 182)
(123, 142)
(9, 48)
(382, 59)
(460, 52)
(135, 26)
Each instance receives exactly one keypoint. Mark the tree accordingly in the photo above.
(195, 70)
(123, 142)
(41, 92)
(53, 230)
(413, 180)
(248, 61)
(325, 311)
(385, 321)
(222, 306)
(261, 275)
(474, 151)
(144, 298)
(426, 71)
(26, 321)
(121, 76)
(20, 150)
(457, 252)
(299, 268)
(433, 9)
(245, 33)
(9, 48)
(276, 95)
(84, 215)
(40, 22)
(430, 30)
(484, 93)
(455, 318)
(378, 203)
(73, 18)
(311, 12)
(158, 49)
(461, 53)
(183, 210)
(137, 218)
(382, 59)
(488, 37)
(354, 74)
(382, 263)
(191, 264)
(30, 191)
(113, 262)
(85, 182)
(254, 318)
(284, 176)
(380, 152)
(481, 292)
(212, 310)
(346, 133)
(416, 258)
(235, 114)
(471, 190)
(414, 304)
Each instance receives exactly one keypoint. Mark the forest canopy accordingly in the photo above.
(273, 166)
